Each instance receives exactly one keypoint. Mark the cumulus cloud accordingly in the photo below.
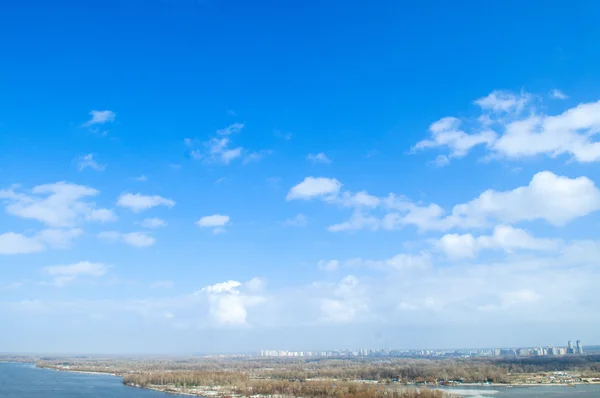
(88, 161)
(510, 127)
(135, 239)
(216, 221)
(549, 197)
(100, 117)
(446, 132)
(504, 237)
(57, 205)
(229, 302)
(318, 158)
(138, 202)
(314, 187)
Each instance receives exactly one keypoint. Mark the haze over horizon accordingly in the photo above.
(222, 176)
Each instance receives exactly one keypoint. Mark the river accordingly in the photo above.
(26, 381)
(579, 391)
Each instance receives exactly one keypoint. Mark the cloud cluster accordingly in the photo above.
(58, 205)
(220, 149)
(549, 197)
(511, 127)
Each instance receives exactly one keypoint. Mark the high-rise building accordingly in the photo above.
(570, 349)
(579, 347)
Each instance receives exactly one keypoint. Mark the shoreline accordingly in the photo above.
(87, 372)
(202, 392)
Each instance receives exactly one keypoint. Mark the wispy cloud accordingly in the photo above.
(299, 220)
(557, 94)
(135, 239)
(64, 274)
(153, 223)
(88, 161)
(100, 117)
(318, 158)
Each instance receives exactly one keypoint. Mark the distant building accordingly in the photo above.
(570, 349)
(579, 347)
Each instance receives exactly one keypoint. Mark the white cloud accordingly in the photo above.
(13, 243)
(100, 117)
(504, 237)
(346, 303)
(138, 202)
(399, 262)
(318, 158)
(446, 133)
(60, 204)
(59, 238)
(328, 265)
(358, 221)
(229, 302)
(441, 161)
(220, 148)
(515, 129)
(101, 215)
(231, 129)
(314, 187)
(256, 156)
(153, 223)
(88, 161)
(299, 220)
(504, 101)
(141, 178)
(557, 94)
(135, 239)
(555, 199)
(216, 220)
(549, 197)
(64, 274)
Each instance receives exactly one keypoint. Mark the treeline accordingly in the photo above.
(241, 384)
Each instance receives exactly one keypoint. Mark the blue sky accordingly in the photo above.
(183, 176)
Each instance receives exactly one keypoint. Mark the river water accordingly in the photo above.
(579, 391)
(26, 381)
